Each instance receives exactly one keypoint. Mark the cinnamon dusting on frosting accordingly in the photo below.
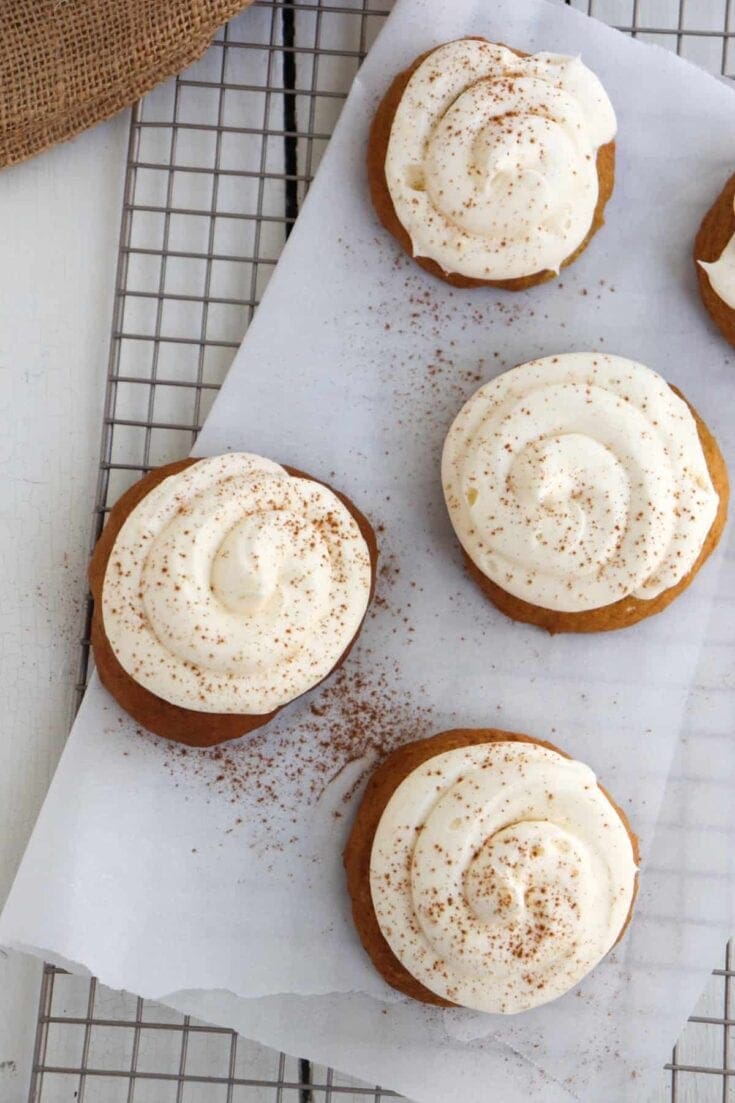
(501, 874)
(491, 162)
(577, 480)
(234, 586)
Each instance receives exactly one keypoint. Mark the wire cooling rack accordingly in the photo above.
(219, 161)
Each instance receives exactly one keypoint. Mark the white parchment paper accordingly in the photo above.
(213, 879)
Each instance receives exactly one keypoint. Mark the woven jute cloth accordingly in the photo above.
(67, 64)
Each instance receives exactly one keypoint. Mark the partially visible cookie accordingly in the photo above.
(714, 257)
(585, 491)
(491, 167)
(225, 588)
(489, 870)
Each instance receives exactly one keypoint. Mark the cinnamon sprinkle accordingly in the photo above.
(361, 712)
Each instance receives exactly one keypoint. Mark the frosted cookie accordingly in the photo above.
(489, 870)
(224, 588)
(714, 255)
(585, 491)
(492, 167)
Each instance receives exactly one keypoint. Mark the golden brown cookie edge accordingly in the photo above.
(716, 229)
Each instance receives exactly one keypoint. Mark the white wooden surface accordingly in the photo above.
(59, 218)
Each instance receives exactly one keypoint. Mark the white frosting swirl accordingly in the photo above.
(721, 273)
(501, 874)
(492, 158)
(234, 587)
(577, 480)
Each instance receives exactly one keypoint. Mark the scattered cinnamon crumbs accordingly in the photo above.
(361, 711)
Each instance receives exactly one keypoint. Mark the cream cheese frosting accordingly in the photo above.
(577, 480)
(492, 158)
(501, 874)
(234, 587)
(721, 273)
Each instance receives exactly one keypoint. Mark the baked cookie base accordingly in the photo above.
(718, 226)
(197, 729)
(380, 194)
(629, 610)
(381, 787)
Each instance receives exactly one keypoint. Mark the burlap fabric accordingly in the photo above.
(67, 64)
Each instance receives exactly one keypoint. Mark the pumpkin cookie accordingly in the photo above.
(492, 167)
(225, 588)
(489, 870)
(585, 491)
(714, 255)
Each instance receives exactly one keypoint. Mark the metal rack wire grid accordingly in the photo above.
(218, 163)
